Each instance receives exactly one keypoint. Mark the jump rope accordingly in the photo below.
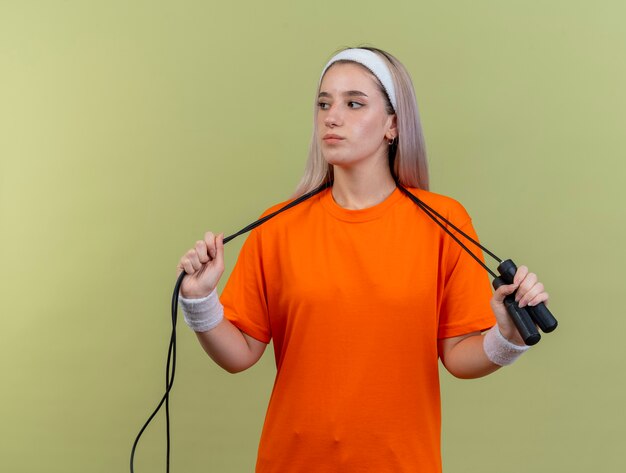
(526, 319)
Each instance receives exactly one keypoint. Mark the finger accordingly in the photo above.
(219, 251)
(209, 239)
(531, 294)
(187, 266)
(543, 297)
(520, 274)
(504, 291)
(193, 258)
(201, 250)
(526, 285)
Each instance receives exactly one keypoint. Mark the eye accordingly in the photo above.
(355, 104)
(323, 105)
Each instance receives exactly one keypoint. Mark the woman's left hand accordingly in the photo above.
(529, 292)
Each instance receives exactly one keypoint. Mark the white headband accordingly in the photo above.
(373, 62)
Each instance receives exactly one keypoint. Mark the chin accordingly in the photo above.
(338, 160)
(339, 163)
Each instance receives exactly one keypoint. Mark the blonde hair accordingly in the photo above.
(407, 158)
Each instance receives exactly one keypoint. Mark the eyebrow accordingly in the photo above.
(349, 93)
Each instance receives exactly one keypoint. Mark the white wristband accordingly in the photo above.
(499, 350)
(202, 314)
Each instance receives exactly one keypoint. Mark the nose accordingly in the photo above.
(333, 117)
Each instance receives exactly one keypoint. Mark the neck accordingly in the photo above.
(360, 188)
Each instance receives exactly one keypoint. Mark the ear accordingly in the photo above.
(392, 131)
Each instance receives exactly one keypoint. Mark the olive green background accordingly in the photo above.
(129, 128)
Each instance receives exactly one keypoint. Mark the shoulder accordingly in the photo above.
(275, 208)
(442, 204)
(289, 211)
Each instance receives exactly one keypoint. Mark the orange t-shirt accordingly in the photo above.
(355, 301)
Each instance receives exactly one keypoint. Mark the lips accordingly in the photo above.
(330, 137)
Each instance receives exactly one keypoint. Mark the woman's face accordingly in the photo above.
(353, 126)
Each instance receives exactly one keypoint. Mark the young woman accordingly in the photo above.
(359, 290)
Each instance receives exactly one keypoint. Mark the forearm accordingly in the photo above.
(227, 346)
(467, 359)
(475, 355)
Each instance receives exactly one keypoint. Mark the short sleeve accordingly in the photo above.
(244, 296)
(465, 304)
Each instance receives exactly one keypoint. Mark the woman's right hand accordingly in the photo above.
(204, 265)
